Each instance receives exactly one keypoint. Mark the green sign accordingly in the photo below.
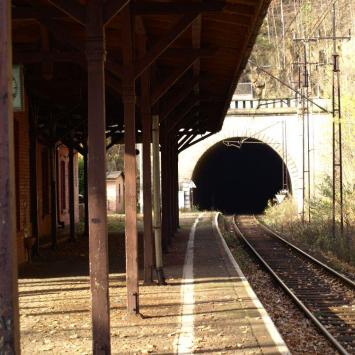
(17, 88)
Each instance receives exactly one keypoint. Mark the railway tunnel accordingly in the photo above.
(239, 176)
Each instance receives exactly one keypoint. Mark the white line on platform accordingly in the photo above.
(185, 339)
(269, 324)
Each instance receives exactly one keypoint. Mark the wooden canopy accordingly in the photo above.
(194, 52)
(97, 72)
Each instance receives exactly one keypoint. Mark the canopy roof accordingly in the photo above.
(194, 51)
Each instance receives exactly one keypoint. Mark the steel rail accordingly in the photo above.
(298, 302)
(303, 253)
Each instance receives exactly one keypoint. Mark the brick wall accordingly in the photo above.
(22, 179)
(22, 183)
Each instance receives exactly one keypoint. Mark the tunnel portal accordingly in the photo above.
(239, 176)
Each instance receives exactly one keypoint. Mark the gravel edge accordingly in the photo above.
(300, 335)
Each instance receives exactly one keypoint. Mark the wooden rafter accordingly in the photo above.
(114, 84)
(196, 30)
(112, 8)
(40, 57)
(62, 35)
(187, 139)
(175, 75)
(162, 45)
(188, 108)
(193, 142)
(186, 7)
(177, 97)
(72, 9)
(36, 13)
(115, 68)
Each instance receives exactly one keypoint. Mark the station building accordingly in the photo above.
(39, 171)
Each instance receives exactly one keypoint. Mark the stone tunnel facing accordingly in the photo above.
(239, 176)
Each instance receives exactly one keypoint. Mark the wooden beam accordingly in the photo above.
(115, 68)
(188, 7)
(176, 97)
(163, 44)
(165, 175)
(189, 52)
(187, 139)
(174, 76)
(41, 57)
(196, 141)
(130, 165)
(186, 108)
(112, 8)
(47, 66)
(86, 195)
(9, 313)
(140, 26)
(114, 84)
(191, 112)
(36, 13)
(196, 29)
(61, 34)
(72, 9)
(143, 8)
(65, 37)
(98, 239)
(177, 7)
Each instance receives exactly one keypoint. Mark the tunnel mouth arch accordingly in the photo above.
(240, 175)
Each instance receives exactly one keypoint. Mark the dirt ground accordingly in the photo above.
(55, 301)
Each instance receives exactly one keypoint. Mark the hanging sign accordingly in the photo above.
(17, 88)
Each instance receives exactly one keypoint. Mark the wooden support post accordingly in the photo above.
(156, 202)
(33, 180)
(71, 194)
(165, 173)
(98, 241)
(9, 314)
(130, 166)
(171, 188)
(147, 197)
(175, 183)
(147, 171)
(53, 173)
(86, 194)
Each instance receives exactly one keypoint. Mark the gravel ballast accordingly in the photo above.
(299, 333)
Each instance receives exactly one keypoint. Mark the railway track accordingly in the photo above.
(327, 297)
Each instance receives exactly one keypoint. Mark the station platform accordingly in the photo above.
(207, 307)
(227, 315)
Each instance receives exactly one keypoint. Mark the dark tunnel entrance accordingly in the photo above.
(239, 176)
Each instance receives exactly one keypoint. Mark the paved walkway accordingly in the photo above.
(206, 308)
(226, 315)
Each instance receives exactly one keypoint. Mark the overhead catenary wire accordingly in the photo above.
(289, 87)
